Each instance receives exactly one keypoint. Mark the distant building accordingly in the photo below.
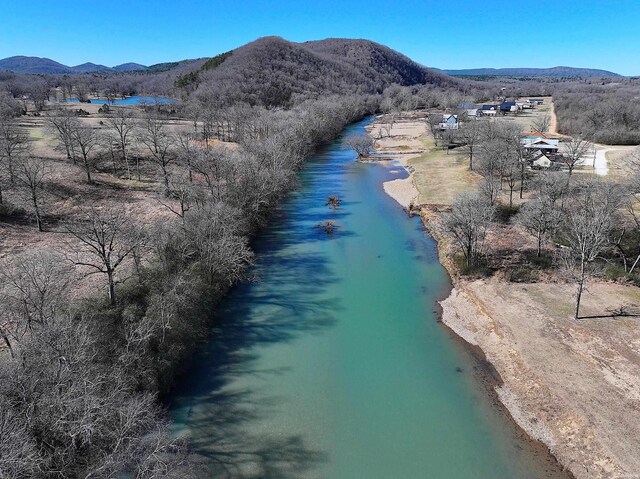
(524, 105)
(530, 136)
(449, 122)
(508, 107)
(470, 109)
(536, 101)
(545, 146)
(488, 110)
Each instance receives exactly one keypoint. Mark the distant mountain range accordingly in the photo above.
(564, 72)
(36, 65)
(22, 64)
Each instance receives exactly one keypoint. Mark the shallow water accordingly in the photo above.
(332, 364)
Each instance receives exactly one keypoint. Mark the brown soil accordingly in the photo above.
(574, 385)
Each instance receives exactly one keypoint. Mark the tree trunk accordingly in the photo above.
(580, 288)
(165, 177)
(87, 170)
(112, 288)
(634, 264)
(8, 343)
(126, 161)
(36, 210)
(12, 176)
(539, 245)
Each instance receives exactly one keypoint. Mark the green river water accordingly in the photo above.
(331, 363)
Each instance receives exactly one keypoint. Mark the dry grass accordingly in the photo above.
(66, 191)
(440, 177)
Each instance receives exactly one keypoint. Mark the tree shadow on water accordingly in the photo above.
(224, 401)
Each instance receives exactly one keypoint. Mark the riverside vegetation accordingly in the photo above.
(81, 373)
(79, 382)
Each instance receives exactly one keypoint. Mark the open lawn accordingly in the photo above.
(440, 177)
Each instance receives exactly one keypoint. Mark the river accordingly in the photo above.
(331, 362)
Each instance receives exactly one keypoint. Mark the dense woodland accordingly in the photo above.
(81, 377)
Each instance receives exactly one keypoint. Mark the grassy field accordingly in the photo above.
(440, 177)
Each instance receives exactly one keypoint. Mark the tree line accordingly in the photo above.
(80, 380)
(583, 226)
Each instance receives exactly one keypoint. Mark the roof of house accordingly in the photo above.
(488, 107)
(534, 134)
(506, 105)
(542, 144)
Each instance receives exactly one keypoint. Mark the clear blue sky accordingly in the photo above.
(443, 33)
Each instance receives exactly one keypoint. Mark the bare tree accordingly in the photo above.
(39, 92)
(63, 123)
(108, 238)
(19, 458)
(541, 123)
(154, 135)
(361, 144)
(122, 122)
(511, 173)
(574, 150)
(552, 186)
(188, 148)
(82, 91)
(14, 142)
(540, 218)
(85, 140)
(31, 173)
(209, 164)
(35, 288)
(492, 156)
(468, 222)
(181, 190)
(471, 134)
(586, 230)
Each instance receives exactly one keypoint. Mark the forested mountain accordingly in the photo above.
(129, 67)
(46, 66)
(22, 64)
(275, 72)
(89, 68)
(563, 72)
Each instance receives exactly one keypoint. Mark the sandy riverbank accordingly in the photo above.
(573, 385)
(399, 144)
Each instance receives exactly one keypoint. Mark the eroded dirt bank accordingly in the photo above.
(573, 385)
